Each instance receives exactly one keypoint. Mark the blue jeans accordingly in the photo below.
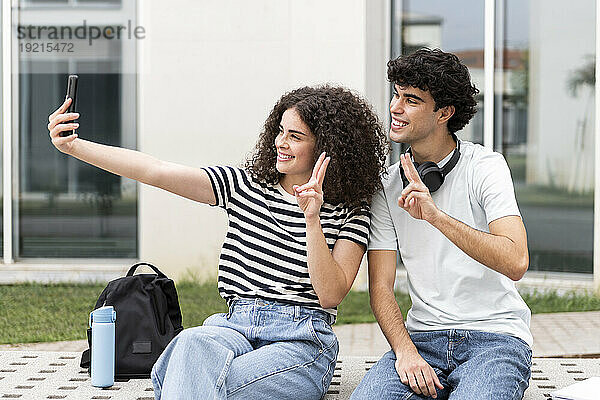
(258, 350)
(469, 364)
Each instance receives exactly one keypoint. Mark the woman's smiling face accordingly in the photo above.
(295, 146)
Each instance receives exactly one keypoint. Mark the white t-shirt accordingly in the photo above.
(449, 289)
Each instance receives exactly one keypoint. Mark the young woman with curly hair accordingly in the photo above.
(298, 228)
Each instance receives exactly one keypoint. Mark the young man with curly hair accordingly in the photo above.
(458, 229)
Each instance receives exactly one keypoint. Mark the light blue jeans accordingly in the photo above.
(471, 365)
(258, 350)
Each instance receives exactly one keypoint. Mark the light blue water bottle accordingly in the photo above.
(102, 321)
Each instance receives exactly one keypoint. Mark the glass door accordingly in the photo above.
(66, 208)
(453, 26)
(544, 124)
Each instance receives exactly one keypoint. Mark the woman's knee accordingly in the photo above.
(196, 338)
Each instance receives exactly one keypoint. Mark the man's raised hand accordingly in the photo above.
(415, 198)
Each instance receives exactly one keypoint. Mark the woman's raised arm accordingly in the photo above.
(192, 183)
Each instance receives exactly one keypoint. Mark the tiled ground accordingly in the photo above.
(51, 370)
(29, 375)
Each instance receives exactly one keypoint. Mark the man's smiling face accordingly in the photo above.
(412, 114)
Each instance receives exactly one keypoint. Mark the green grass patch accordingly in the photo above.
(356, 309)
(44, 313)
(199, 301)
(551, 302)
(48, 313)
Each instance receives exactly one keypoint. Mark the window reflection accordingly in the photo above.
(544, 125)
(70, 2)
(544, 107)
(457, 27)
(1, 154)
(66, 208)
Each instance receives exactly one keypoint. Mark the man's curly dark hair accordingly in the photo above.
(444, 76)
(344, 126)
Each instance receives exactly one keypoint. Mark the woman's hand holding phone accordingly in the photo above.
(56, 126)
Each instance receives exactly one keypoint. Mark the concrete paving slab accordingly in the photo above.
(70, 345)
(554, 335)
(566, 334)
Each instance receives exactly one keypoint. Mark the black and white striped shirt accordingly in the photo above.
(264, 253)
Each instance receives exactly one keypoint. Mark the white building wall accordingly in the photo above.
(209, 73)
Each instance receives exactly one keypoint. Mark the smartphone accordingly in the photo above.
(72, 93)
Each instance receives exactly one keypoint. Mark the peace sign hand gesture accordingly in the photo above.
(415, 198)
(310, 195)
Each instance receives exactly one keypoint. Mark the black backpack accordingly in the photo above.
(148, 317)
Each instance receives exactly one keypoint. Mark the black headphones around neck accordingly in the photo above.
(432, 175)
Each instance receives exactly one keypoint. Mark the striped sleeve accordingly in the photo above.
(356, 225)
(225, 183)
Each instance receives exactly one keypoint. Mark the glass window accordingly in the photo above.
(97, 1)
(453, 26)
(49, 3)
(67, 208)
(72, 2)
(545, 58)
(1, 147)
(456, 27)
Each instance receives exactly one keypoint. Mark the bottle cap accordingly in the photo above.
(103, 315)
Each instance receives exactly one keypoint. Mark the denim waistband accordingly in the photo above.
(294, 310)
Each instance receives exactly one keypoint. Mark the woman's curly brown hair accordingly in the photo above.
(344, 126)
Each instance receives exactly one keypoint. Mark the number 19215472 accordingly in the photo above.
(49, 47)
